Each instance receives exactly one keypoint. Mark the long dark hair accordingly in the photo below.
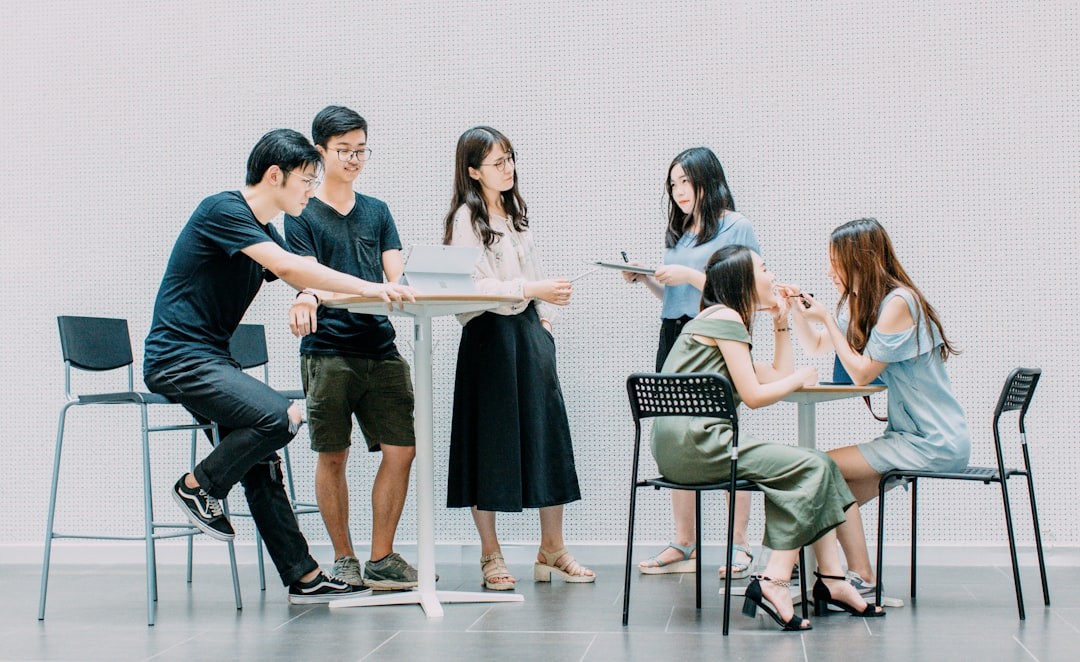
(729, 280)
(866, 264)
(712, 197)
(472, 148)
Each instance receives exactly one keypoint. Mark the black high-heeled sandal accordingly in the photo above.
(823, 597)
(755, 599)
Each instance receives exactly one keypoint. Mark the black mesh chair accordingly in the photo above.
(706, 395)
(1015, 396)
(98, 344)
(248, 348)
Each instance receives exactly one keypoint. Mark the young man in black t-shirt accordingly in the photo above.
(219, 262)
(350, 366)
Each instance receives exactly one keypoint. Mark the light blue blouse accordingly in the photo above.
(927, 428)
(685, 300)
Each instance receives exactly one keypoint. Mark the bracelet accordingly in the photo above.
(312, 293)
(783, 330)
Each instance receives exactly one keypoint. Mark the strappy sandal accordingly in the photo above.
(654, 566)
(739, 570)
(570, 572)
(823, 598)
(494, 567)
(755, 598)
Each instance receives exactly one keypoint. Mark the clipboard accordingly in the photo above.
(622, 266)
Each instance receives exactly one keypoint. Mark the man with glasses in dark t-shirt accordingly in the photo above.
(350, 366)
(219, 262)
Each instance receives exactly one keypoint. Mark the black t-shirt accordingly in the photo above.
(352, 244)
(208, 283)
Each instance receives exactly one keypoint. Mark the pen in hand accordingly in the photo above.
(626, 258)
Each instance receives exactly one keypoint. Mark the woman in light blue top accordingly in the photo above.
(701, 220)
(885, 327)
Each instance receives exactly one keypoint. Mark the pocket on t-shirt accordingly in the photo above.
(367, 251)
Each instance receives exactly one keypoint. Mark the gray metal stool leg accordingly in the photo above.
(148, 519)
(49, 527)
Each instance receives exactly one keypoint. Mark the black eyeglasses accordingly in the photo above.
(347, 154)
(507, 162)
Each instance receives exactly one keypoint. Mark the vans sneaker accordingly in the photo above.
(324, 588)
(203, 510)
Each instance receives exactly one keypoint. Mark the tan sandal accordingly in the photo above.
(570, 571)
(494, 567)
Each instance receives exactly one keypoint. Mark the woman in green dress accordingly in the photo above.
(805, 494)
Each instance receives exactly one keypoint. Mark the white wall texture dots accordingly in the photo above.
(955, 124)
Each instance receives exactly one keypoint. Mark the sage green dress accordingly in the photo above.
(805, 494)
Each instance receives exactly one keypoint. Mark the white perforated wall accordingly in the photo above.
(953, 123)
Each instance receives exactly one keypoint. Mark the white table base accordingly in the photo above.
(425, 594)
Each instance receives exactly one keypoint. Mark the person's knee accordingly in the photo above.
(333, 462)
(277, 424)
(398, 456)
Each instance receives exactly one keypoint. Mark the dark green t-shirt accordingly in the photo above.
(353, 244)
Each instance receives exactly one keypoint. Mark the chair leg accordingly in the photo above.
(629, 550)
(288, 474)
(914, 532)
(259, 559)
(52, 512)
(1012, 547)
(697, 537)
(1038, 534)
(191, 539)
(232, 562)
(729, 554)
(148, 517)
(802, 583)
(880, 537)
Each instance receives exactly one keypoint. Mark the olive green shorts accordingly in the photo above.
(378, 392)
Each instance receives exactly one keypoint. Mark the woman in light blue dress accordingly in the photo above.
(885, 327)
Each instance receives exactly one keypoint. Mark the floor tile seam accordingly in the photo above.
(386, 641)
(588, 648)
(479, 618)
(592, 632)
(174, 646)
(1057, 613)
(1021, 645)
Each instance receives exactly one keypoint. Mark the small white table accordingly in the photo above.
(421, 312)
(808, 396)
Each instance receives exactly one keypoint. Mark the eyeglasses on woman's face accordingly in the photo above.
(504, 164)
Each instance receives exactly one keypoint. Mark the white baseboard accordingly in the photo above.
(207, 551)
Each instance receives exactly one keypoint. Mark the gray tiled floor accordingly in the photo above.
(98, 613)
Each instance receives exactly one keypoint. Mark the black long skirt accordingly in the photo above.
(510, 444)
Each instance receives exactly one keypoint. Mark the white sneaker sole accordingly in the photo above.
(324, 598)
(390, 585)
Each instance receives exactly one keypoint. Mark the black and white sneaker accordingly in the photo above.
(324, 588)
(203, 510)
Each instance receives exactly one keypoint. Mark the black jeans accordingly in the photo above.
(253, 423)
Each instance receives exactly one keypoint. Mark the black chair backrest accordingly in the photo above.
(95, 343)
(1017, 392)
(706, 394)
(248, 346)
